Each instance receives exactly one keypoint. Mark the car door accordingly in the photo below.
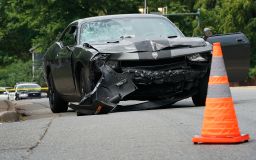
(62, 72)
(236, 53)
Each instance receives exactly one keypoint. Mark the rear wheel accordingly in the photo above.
(57, 104)
(200, 97)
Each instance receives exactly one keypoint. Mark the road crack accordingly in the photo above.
(30, 149)
(43, 135)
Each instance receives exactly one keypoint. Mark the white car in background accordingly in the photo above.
(27, 90)
(4, 94)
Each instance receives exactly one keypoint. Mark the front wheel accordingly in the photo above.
(57, 104)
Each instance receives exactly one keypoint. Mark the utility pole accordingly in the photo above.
(33, 65)
(32, 51)
(145, 6)
(197, 14)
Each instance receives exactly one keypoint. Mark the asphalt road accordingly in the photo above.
(133, 133)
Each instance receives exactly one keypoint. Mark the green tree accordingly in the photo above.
(10, 75)
(227, 16)
(28, 23)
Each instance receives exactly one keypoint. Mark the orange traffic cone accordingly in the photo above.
(220, 123)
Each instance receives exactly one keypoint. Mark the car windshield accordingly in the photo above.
(29, 87)
(111, 30)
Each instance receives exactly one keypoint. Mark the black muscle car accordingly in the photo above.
(100, 61)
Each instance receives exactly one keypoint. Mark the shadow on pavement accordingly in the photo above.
(163, 104)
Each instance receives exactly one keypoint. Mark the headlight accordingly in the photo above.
(112, 64)
(196, 58)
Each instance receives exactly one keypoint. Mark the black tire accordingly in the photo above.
(200, 97)
(57, 104)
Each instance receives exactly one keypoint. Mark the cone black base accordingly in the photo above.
(224, 140)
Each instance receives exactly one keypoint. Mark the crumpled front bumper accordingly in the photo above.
(110, 89)
(113, 86)
(148, 77)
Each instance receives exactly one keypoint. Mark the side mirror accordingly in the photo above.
(60, 44)
(69, 48)
(207, 32)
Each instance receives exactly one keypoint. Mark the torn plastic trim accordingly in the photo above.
(109, 90)
(148, 77)
(196, 58)
(99, 59)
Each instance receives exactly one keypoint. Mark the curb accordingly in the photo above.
(9, 116)
(8, 113)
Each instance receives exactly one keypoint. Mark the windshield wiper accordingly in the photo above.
(87, 45)
(112, 41)
(172, 36)
(127, 36)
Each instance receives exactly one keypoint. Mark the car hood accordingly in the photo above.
(137, 45)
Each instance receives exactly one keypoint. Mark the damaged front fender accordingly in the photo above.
(110, 89)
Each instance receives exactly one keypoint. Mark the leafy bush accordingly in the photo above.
(18, 71)
(252, 73)
(6, 60)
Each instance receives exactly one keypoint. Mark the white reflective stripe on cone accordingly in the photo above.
(218, 91)
(218, 67)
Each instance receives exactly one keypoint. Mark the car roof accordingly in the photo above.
(116, 16)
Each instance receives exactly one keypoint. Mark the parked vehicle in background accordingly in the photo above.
(27, 90)
(4, 93)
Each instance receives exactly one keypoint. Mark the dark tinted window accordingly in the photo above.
(69, 37)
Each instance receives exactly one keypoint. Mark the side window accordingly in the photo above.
(69, 37)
